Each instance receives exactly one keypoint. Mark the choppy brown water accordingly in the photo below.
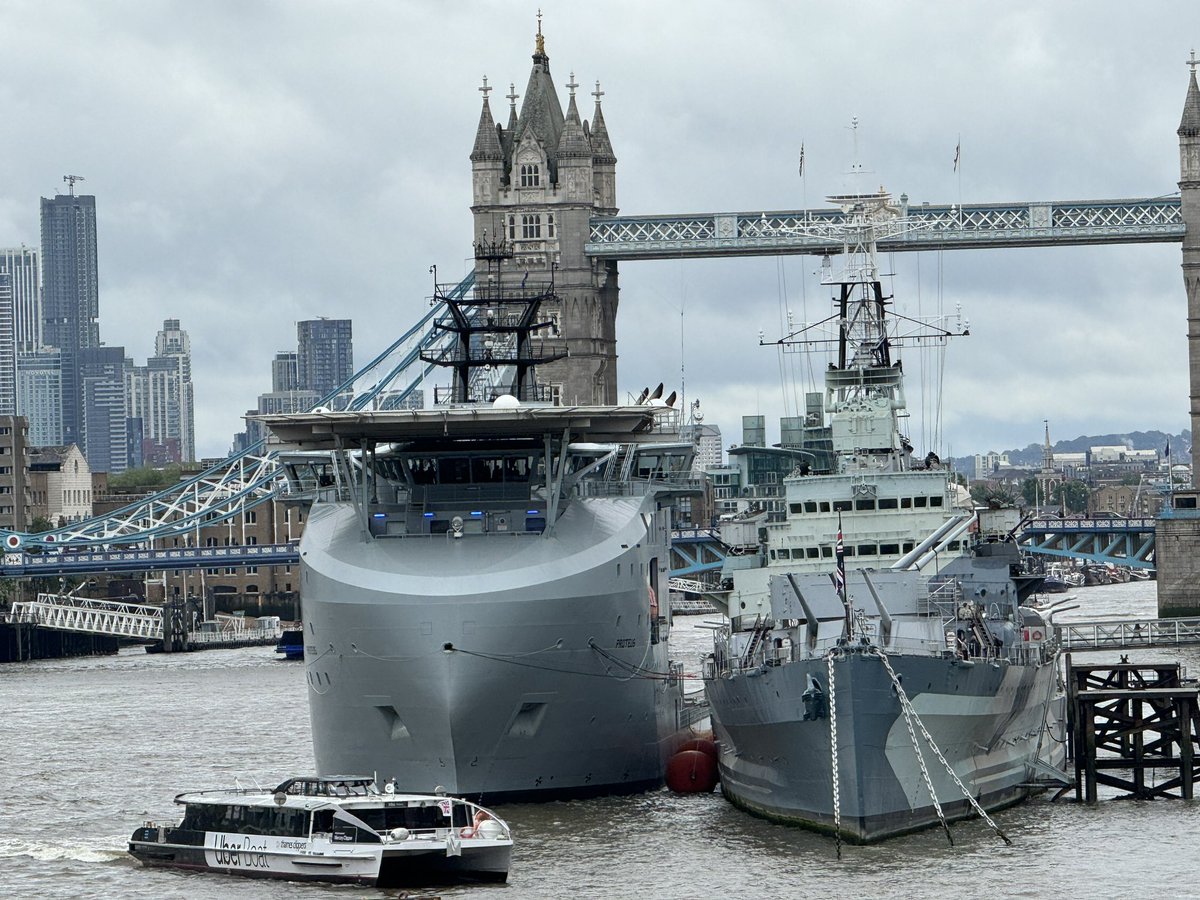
(91, 747)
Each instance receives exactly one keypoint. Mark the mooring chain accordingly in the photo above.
(906, 704)
(833, 746)
(912, 736)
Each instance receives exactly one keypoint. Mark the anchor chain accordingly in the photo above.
(906, 705)
(912, 736)
(833, 747)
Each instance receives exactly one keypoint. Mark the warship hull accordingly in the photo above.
(503, 666)
(989, 719)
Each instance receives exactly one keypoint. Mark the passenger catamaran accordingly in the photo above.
(481, 581)
(852, 692)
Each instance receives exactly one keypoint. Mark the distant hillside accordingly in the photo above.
(1134, 440)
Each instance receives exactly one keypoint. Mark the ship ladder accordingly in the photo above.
(910, 716)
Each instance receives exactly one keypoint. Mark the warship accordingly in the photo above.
(480, 581)
(880, 671)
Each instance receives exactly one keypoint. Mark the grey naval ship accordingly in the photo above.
(481, 581)
(889, 677)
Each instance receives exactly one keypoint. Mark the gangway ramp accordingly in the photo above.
(1130, 634)
(87, 616)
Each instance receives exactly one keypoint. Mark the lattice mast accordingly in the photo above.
(493, 353)
(864, 386)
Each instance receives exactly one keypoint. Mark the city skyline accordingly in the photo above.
(274, 192)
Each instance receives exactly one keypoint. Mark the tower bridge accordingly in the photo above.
(545, 182)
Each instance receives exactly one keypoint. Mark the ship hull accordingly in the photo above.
(502, 667)
(988, 719)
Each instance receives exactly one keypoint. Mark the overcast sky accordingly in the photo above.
(258, 163)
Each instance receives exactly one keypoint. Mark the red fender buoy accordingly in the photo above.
(702, 744)
(691, 772)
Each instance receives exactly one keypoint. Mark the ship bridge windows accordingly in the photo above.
(864, 504)
(842, 505)
(920, 502)
(888, 503)
(906, 502)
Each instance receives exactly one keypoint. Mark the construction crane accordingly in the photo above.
(70, 180)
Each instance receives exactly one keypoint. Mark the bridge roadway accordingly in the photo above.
(695, 552)
(1099, 539)
(927, 227)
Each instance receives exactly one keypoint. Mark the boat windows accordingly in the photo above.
(826, 552)
(908, 545)
(889, 549)
(416, 817)
(887, 503)
(824, 506)
(848, 551)
(935, 501)
(812, 552)
(906, 502)
(842, 506)
(810, 506)
(867, 549)
(868, 504)
(920, 502)
(795, 508)
(269, 820)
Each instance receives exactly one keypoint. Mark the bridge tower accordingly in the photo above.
(536, 183)
(1177, 538)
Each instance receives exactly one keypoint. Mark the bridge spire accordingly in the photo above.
(1189, 194)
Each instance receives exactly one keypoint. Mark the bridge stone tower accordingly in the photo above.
(1177, 537)
(536, 182)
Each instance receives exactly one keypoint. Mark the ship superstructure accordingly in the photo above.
(863, 472)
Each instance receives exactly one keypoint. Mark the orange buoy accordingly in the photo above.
(691, 772)
(702, 744)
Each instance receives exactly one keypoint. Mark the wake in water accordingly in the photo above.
(46, 852)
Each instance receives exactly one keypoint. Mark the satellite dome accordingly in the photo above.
(506, 401)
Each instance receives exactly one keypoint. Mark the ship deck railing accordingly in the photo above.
(768, 655)
(638, 487)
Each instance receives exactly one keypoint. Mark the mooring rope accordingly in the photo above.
(833, 746)
(906, 705)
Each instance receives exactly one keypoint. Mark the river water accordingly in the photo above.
(89, 748)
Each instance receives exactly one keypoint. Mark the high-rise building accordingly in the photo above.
(8, 349)
(70, 297)
(159, 395)
(324, 355)
(39, 395)
(24, 272)
(103, 423)
(285, 372)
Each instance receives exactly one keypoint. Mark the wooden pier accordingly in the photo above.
(1132, 723)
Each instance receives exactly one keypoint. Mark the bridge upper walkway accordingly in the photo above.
(936, 227)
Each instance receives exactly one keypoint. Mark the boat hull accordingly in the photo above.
(988, 719)
(501, 667)
(372, 867)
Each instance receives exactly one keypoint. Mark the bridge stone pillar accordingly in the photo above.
(1177, 533)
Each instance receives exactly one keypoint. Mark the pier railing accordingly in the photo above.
(1125, 635)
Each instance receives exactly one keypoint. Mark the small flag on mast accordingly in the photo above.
(957, 153)
(839, 576)
(802, 160)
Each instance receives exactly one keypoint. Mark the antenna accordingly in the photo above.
(70, 180)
